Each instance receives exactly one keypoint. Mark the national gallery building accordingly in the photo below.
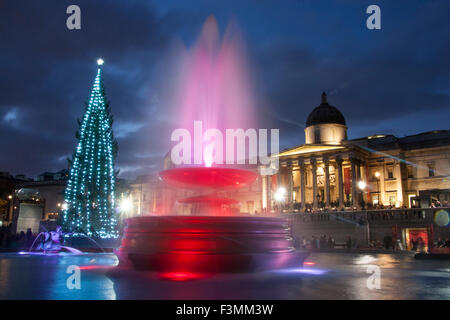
(330, 171)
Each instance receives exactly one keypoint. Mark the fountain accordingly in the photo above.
(213, 239)
(214, 88)
(51, 244)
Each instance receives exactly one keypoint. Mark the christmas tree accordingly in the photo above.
(89, 206)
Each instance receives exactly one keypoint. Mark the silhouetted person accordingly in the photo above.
(323, 241)
(420, 244)
(313, 242)
(304, 244)
(330, 242)
(414, 244)
(349, 242)
(387, 242)
(447, 243)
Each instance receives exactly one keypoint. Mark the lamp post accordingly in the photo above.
(126, 206)
(377, 178)
(362, 185)
(10, 208)
(280, 196)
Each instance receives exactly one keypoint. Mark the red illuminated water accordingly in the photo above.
(213, 84)
(212, 177)
(208, 178)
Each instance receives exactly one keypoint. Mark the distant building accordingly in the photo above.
(7, 187)
(381, 170)
(51, 187)
(24, 202)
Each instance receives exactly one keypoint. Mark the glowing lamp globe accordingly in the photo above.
(125, 205)
(280, 194)
(442, 218)
(362, 185)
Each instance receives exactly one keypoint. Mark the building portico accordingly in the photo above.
(329, 172)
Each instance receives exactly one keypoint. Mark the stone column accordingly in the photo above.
(302, 184)
(363, 177)
(279, 177)
(264, 192)
(290, 185)
(279, 204)
(269, 194)
(381, 195)
(340, 182)
(358, 170)
(314, 177)
(398, 177)
(354, 191)
(327, 183)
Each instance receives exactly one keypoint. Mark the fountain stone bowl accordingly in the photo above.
(205, 242)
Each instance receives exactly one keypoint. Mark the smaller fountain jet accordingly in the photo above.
(51, 243)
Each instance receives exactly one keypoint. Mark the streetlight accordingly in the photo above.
(280, 194)
(9, 216)
(125, 205)
(362, 184)
(377, 175)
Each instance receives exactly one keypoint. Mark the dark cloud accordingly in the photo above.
(395, 80)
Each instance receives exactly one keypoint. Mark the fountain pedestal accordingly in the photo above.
(208, 243)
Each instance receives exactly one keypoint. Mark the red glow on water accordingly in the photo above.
(180, 276)
(191, 246)
(93, 267)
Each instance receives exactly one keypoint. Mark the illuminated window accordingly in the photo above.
(392, 200)
(390, 172)
(431, 170)
(410, 172)
(375, 199)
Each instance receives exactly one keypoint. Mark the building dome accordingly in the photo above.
(325, 125)
(325, 113)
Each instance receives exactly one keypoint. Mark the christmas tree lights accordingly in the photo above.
(89, 206)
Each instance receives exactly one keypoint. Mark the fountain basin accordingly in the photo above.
(209, 200)
(208, 244)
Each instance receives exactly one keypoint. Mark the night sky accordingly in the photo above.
(394, 80)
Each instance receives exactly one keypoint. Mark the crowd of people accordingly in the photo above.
(316, 242)
(321, 242)
(16, 241)
(443, 244)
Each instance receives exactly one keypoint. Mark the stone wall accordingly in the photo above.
(364, 225)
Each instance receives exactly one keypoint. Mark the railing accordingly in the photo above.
(364, 216)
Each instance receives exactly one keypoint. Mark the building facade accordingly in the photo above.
(331, 172)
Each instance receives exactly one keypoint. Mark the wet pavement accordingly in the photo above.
(325, 276)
